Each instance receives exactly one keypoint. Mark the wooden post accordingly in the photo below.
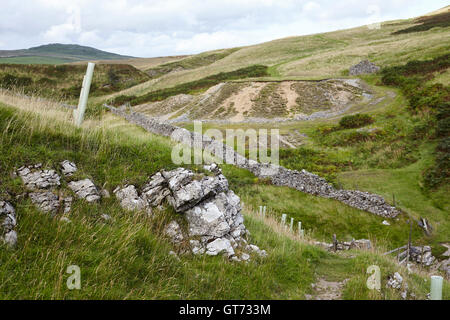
(291, 226)
(335, 243)
(264, 211)
(260, 210)
(84, 95)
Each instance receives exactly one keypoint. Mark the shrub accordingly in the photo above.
(10, 81)
(412, 79)
(355, 121)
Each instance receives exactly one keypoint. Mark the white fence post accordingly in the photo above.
(291, 227)
(436, 288)
(78, 114)
(283, 219)
(300, 230)
(264, 211)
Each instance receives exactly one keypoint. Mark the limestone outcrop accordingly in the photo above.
(214, 223)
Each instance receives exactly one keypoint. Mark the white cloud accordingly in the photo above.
(166, 27)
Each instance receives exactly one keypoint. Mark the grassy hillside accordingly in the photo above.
(142, 64)
(56, 53)
(128, 258)
(64, 81)
(395, 145)
(320, 56)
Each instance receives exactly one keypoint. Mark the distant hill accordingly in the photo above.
(56, 53)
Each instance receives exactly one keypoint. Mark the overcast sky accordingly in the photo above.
(151, 28)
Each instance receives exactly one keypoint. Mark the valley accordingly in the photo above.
(382, 133)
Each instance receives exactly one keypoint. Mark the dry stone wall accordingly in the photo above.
(301, 180)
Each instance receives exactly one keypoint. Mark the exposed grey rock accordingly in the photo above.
(10, 238)
(8, 223)
(404, 294)
(7, 217)
(85, 189)
(395, 281)
(196, 247)
(363, 244)
(185, 196)
(173, 231)
(156, 180)
(207, 220)
(445, 267)
(422, 255)
(173, 254)
(65, 219)
(45, 201)
(213, 167)
(106, 217)
(217, 217)
(155, 196)
(245, 257)
(212, 211)
(68, 168)
(105, 193)
(363, 67)
(218, 246)
(177, 178)
(67, 204)
(130, 199)
(262, 253)
(255, 249)
(36, 179)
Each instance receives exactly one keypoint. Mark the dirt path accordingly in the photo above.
(327, 290)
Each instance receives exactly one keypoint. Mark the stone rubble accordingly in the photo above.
(218, 246)
(395, 281)
(363, 67)
(106, 217)
(8, 223)
(173, 231)
(65, 219)
(215, 224)
(85, 189)
(363, 244)
(68, 168)
(422, 255)
(129, 198)
(68, 204)
(36, 179)
(45, 201)
(105, 194)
